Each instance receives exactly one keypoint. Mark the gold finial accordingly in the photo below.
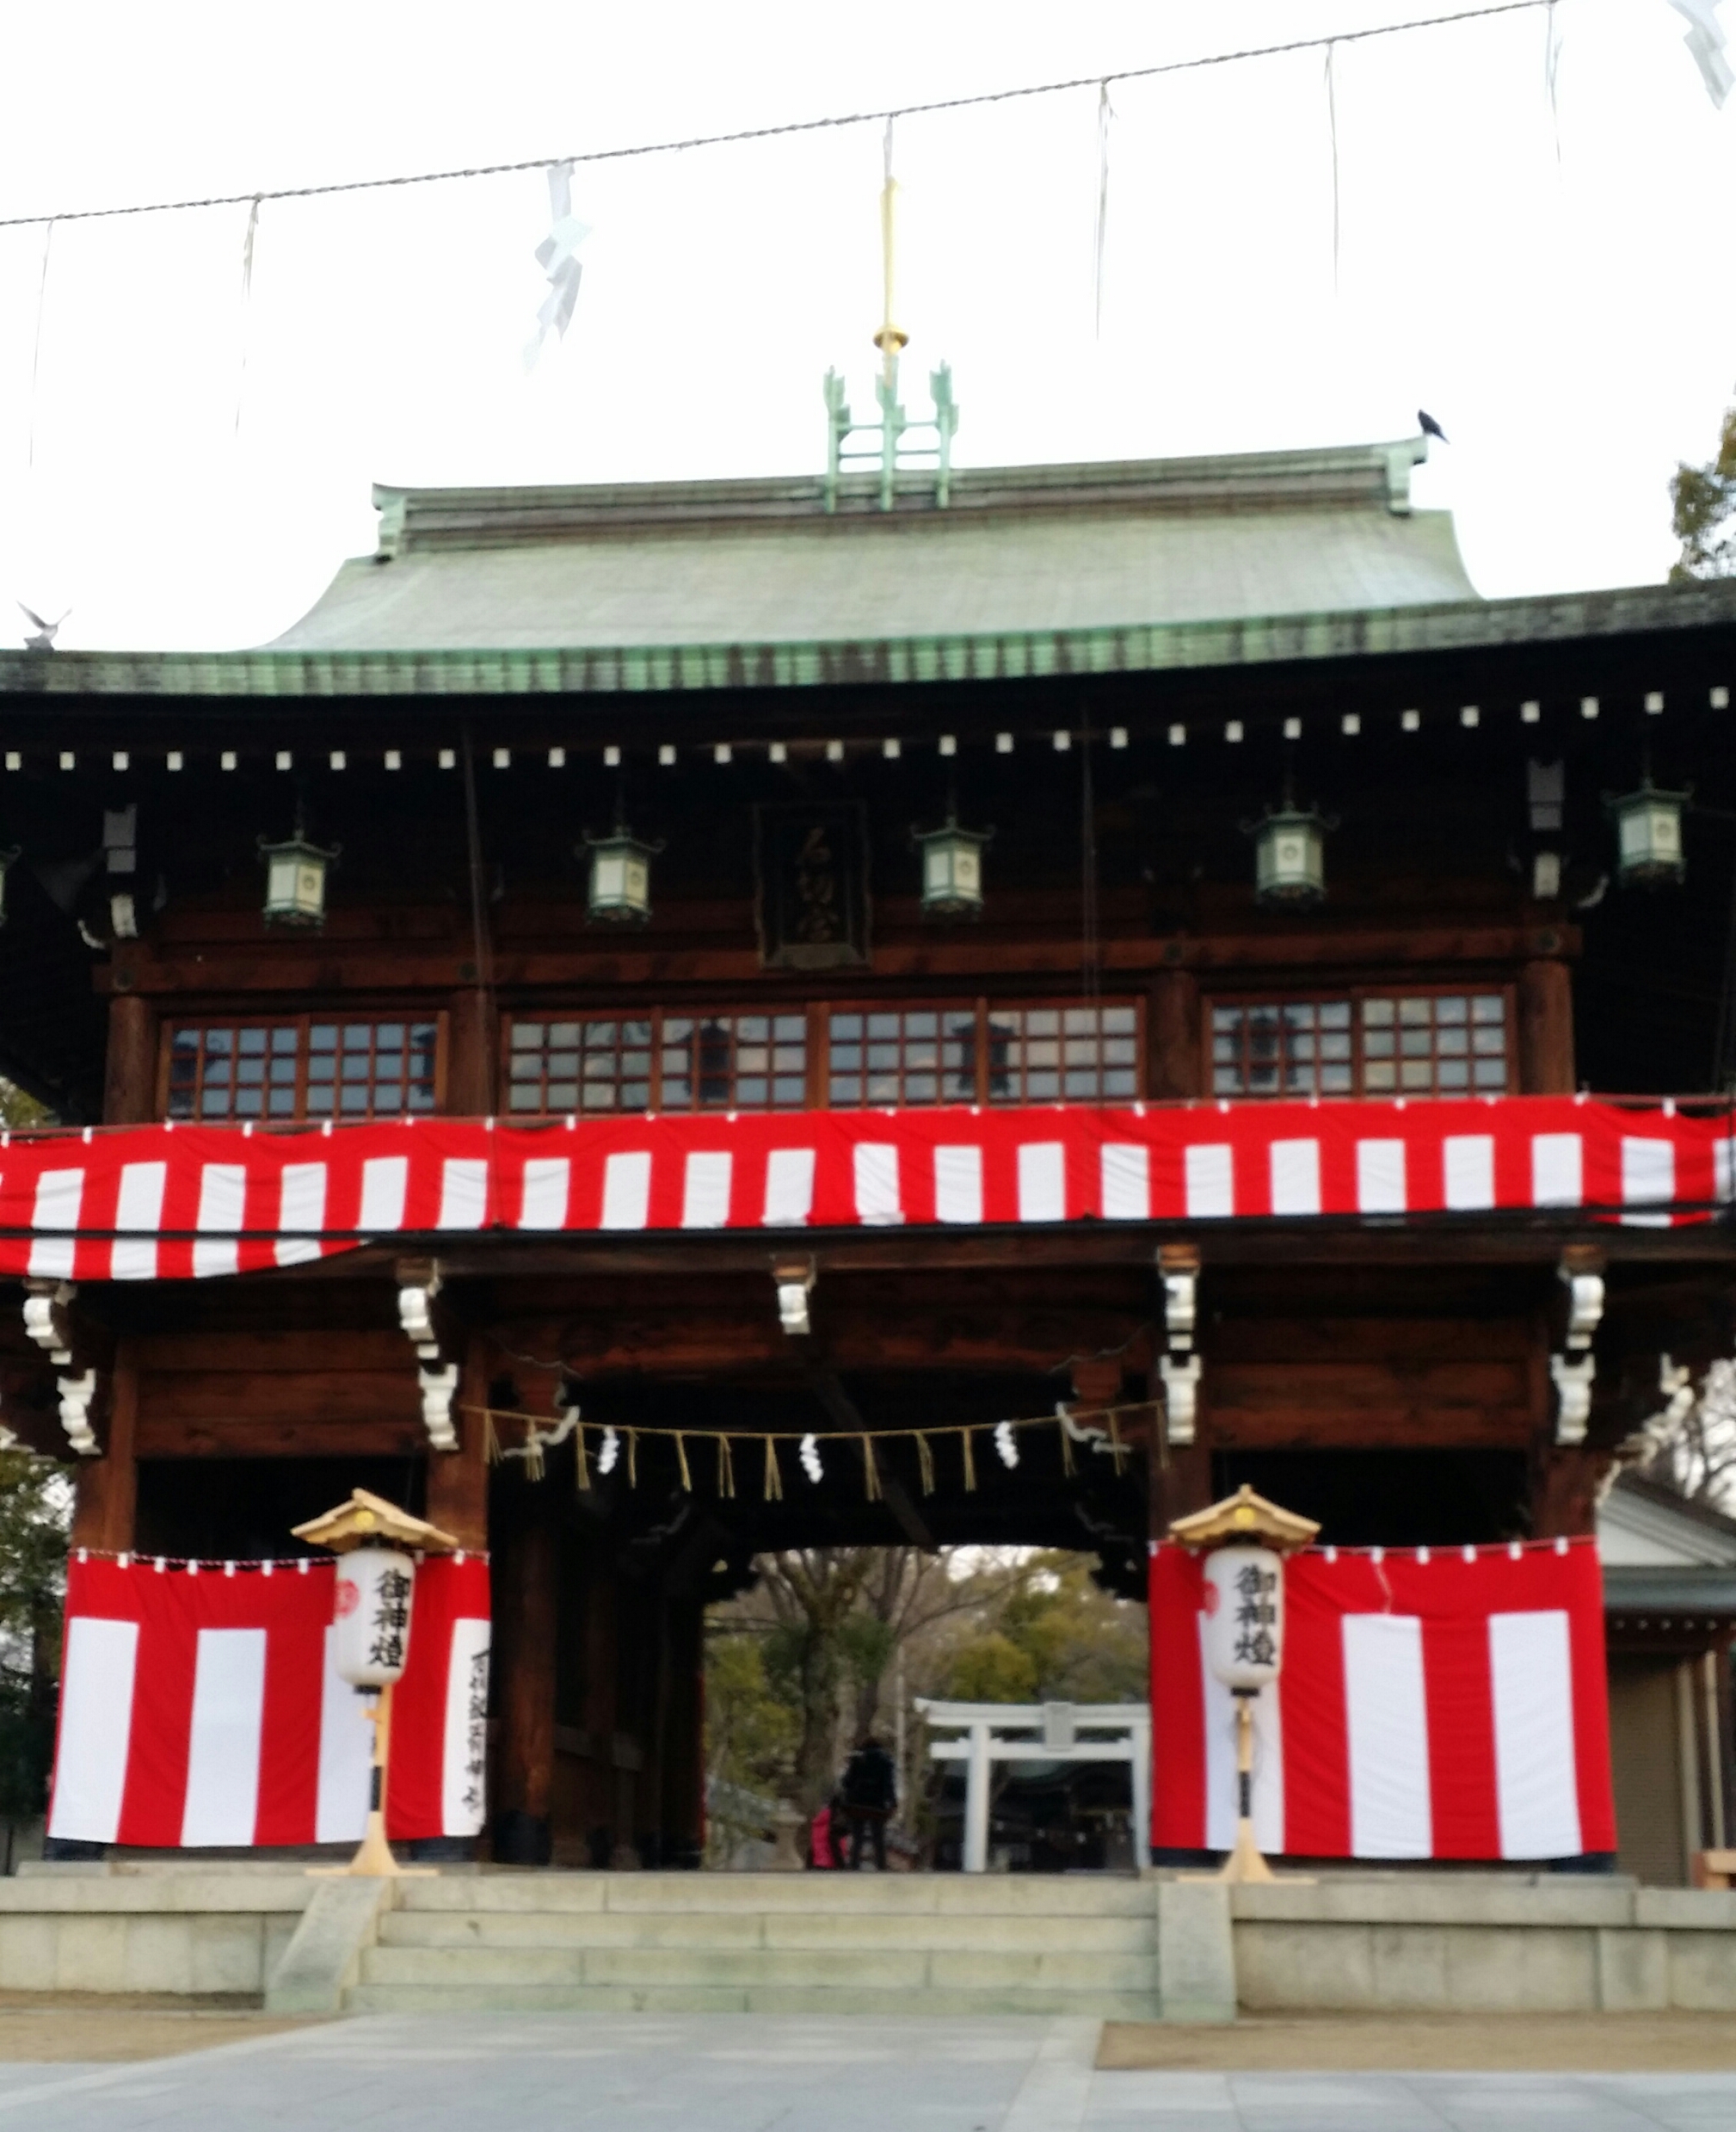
(891, 338)
(1245, 1516)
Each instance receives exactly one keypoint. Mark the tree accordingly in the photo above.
(1691, 1445)
(1704, 516)
(1050, 1632)
(35, 1511)
(799, 1667)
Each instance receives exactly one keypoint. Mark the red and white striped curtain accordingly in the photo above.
(200, 1706)
(1435, 1702)
(165, 1202)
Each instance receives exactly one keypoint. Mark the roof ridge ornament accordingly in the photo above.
(891, 449)
(1400, 459)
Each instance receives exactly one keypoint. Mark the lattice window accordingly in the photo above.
(1063, 1054)
(1365, 1044)
(302, 1067)
(976, 1053)
(657, 1061)
(734, 1062)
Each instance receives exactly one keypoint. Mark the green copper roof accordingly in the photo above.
(1126, 567)
(288, 675)
(1018, 552)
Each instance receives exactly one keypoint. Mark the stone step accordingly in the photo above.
(862, 1971)
(846, 1895)
(724, 1931)
(833, 2004)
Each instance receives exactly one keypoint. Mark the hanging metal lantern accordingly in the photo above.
(620, 877)
(295, 875)
(1648, 835)
(1290, 853)
(951, 869)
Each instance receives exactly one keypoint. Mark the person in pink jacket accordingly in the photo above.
(823, 1834)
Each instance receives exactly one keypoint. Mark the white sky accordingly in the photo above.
(1572, 325)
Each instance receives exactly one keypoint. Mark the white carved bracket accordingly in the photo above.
(1574, 1378)
(76, 1395)
(1180, 1309)
(438, 1388)
(1585, 1306)
(47, 1320)
(1181, 1374)
(415, 1316)
(794, 1281)
(418, 1284)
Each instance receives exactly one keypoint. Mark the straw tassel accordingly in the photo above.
(925, 1460)
(581, 1465)
(726, 1467)
(633, 1458)
(964, 1436)
(1118, 1450)
(870, 1472)
(491, 1443)
(774, 1479)
(1066, 1446)
(533, 1452)
(682, 1460)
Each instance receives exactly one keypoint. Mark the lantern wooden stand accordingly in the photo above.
(369, 1522)
(1246, 1529)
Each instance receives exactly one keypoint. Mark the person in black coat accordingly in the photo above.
(870, 1793)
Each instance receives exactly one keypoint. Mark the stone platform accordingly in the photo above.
(1103, 1948)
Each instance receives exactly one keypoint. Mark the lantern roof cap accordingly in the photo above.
(1248, 1518)
(368, 1521)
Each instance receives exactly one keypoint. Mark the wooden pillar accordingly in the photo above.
(129, 1080)
(1546, 1030)
(525, 1615)
(1171, 1038)
(1181, 1481)
(652, 1836)
(106, 1502)
(457, 1481)
(473, 1029)
(685, 1755)
(602, 1667)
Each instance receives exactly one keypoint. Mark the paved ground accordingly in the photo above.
(1424, 2042)
(601, 2073)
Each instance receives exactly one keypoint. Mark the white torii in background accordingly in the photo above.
(1048, 1731)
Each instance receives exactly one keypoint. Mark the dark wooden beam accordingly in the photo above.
(845, 1414)
(1525, 1240)
(639, 973)
(174, 1436)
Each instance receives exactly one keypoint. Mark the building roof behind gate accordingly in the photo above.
(1043, 550)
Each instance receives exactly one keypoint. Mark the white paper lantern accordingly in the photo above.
(371, 1610)
(1244, 1616)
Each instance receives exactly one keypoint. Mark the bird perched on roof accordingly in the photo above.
(43, 640)
(1429, 426)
